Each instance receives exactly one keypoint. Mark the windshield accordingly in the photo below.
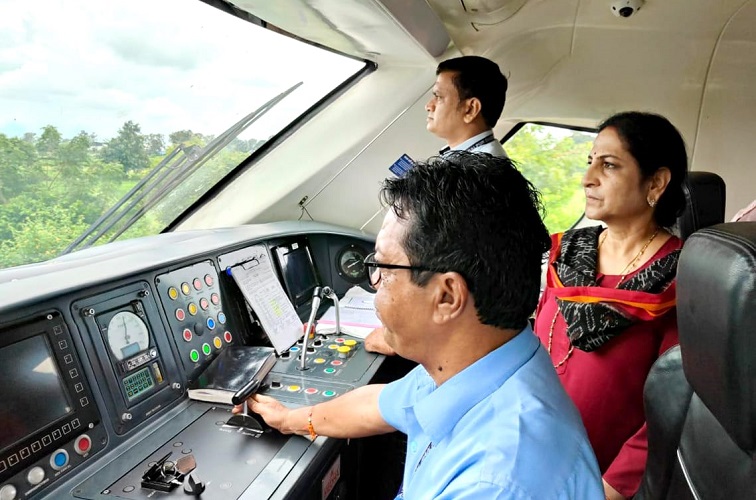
(117, 116)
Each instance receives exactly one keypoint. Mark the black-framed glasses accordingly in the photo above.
(373, 269)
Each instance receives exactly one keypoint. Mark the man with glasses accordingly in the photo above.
(457, 267)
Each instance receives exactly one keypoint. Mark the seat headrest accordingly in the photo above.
(716, 294)
(704, 203)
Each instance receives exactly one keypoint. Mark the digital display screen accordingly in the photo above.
(130, 350)
(30, 378)
(298, 273)
(137, 383)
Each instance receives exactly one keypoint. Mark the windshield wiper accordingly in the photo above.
(164, 178)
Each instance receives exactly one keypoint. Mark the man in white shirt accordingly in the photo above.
(467, 101)
(468, 98)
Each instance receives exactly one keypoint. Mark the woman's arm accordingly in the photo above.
(625, 473)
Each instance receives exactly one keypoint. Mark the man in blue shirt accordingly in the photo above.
(457, 267)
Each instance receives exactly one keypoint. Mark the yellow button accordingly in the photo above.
(192, 308)
(173, 293)
(344, 349)
(318, 361)
(350, 342)
(333, 346)
(217, 342)
(293, 388)
(185, 288)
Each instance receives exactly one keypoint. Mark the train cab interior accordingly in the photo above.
(152, 153)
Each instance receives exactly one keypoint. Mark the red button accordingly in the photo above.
(180, 314)
(214, 298)
(227, 337)
(82, 444)
(187, 334)
(197, 284)
(208, 280)
(204, 303)
(311, 390)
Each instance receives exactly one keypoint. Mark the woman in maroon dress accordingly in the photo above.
(608, 311)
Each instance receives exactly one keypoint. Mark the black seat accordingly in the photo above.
(700, 397)
(704, 203)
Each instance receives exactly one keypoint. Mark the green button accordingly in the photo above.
(206, 349)
(328, 394)
(330, 370)
(194, 355)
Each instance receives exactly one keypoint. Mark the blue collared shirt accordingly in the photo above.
(503, 428)
(485, 142)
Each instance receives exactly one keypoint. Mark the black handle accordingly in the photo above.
(245, 392)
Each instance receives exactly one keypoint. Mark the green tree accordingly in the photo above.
(49, 140)
(155, 144)
(128, 148)
(18, 160)
(555, 164)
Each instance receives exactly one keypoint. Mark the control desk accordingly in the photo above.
(97, 349)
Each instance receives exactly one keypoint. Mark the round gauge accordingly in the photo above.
(350, 263)
(127, 335)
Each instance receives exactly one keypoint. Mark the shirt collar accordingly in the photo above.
(440, 410)
(463, 146)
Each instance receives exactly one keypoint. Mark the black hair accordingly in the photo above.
(655, 143)
(475, 214)
(476, 76)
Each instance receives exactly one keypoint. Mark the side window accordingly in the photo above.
(554, 160)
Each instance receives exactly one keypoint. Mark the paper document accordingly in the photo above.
(265, 295)
(357, 314)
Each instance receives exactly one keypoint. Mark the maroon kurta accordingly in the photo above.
(606, 385)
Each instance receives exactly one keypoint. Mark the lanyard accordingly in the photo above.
(477, 144)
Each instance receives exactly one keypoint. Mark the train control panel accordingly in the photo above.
(97, 349)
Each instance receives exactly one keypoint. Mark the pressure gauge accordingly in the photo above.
(350, 264)
(127, 335)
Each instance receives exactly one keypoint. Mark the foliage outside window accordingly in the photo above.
(554, 160)
(92, 109)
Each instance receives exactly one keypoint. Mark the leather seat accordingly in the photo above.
(704, 203)
(700, 397)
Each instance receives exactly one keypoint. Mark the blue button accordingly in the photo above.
(60, 459)
(221, 318)
(211, 323)
(294, 349)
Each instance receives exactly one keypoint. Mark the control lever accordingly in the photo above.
(244, 419)
(317, 295)
(162, 476)
(328, 292)
(193, 485)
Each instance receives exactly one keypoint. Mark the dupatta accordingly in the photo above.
(594, 314)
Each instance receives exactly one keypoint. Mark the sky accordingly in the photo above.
(167, 65)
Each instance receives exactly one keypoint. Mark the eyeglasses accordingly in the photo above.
(373, 269)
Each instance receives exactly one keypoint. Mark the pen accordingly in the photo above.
(242, 394)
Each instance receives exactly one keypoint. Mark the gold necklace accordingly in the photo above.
(632, 263)
(622, 278)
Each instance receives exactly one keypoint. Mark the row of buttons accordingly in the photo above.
(309, 391)
(181, 316)
(206, 349)
(173, 293)
(36, 446)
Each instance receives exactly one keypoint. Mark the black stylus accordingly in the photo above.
(245, 392)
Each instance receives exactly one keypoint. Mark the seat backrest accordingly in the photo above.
(704, 203)
(700, 397)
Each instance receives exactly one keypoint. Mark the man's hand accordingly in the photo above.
(375, 342)
(271, 410)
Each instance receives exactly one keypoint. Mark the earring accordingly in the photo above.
(651, 202)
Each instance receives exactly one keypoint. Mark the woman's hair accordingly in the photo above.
(655, 143)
